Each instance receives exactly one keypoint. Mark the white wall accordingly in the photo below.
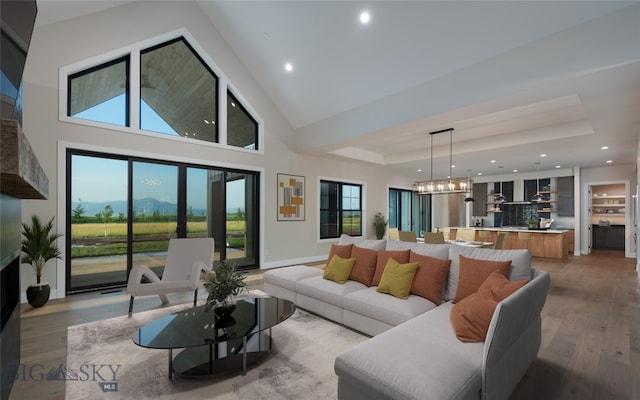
(57, 45)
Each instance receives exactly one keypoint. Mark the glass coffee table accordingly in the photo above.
(215, 345)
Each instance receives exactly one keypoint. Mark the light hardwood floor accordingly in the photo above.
(590, 332)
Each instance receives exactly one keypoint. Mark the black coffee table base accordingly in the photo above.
(221, 358)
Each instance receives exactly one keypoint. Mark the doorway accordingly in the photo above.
(608, 217)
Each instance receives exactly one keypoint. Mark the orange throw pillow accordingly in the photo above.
(401, 256)
(474, 272)
(365, 265)
(500, 287)
(343, 251)
(471, 317)
(430, 277)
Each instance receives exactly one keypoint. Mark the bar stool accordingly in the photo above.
(525, 236)
(483, 235)
(468, 235)
(445, 233)
(500, 238)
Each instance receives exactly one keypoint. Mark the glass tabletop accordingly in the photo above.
(197, 327)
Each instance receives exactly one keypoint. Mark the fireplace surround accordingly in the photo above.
(21, 177)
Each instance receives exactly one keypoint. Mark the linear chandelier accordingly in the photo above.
(447, 185)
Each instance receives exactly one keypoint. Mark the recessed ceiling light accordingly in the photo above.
(609, 161)
(479, 173)
(493, 161)
(604, 147)
(288, 67)
(453, 166)
(365, 17)
(543, 155)
(557, 166)
(419, 169)
(515, 170)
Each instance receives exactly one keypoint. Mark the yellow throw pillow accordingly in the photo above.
(397, 278)
(339, 269)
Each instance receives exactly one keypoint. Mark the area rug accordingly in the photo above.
(103, 362)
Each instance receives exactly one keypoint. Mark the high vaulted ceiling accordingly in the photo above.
(515, 79)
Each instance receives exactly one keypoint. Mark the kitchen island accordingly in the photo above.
(548, 243)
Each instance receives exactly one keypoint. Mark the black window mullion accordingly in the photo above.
(130, 217)
(181, 222)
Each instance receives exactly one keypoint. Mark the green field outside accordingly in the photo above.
(115, 231)
(118, 229)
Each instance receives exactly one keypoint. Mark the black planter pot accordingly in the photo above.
(224, 311)
(38, 295)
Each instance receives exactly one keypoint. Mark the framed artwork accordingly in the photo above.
(290, 197)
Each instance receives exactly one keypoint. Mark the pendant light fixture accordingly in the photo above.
(537, 197)
(443, 186)
(469, 199)
(501, 198)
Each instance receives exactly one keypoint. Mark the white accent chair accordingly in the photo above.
(187, 258)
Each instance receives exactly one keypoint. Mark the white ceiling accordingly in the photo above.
(515, 79)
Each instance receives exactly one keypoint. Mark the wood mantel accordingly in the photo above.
(22, 175)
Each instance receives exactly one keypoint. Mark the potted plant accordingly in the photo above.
(223, 283)
(38, 247)
(532, 223)
(379, 225)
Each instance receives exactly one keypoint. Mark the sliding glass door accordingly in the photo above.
(409, 211)
(223, 204)
(122, 211)
(97, 221)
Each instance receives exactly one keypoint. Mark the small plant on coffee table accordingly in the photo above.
(223, 283)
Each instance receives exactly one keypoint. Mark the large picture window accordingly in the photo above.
(340, 209)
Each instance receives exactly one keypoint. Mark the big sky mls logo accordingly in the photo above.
(105, 375)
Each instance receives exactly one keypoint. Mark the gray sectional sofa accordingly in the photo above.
(414, 352)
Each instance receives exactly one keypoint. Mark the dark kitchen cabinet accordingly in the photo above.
(479, 194)
(565, 196)
(607, 237)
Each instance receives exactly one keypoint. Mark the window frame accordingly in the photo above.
(240, 105)
(340, 209)
(195, 54)
(127, 112)
(133, 51)
(419, 210)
